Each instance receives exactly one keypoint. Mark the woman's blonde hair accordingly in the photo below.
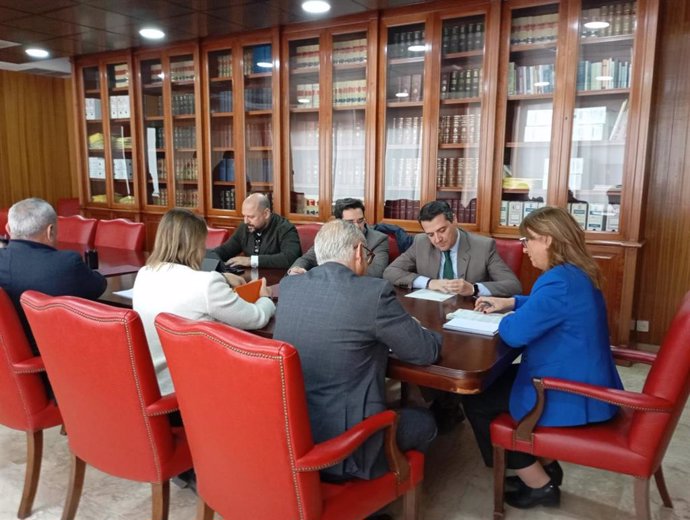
(567, 239)
(180, 239)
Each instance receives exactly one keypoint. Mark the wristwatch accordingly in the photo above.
(475, 293)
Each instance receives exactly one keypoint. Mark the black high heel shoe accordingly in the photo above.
(526, 497)
(553, 470)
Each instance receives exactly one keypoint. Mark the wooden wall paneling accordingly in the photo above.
(371, 122)
(36, 157)
(326, 79)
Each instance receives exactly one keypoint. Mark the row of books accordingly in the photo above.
(402, 44)
(161, 169)
(120, 76)
(183, 103)
(304, 133)
(258, 98)
(258, 59)
(403, 172)
(462, 37)
(153, 105)
(159, 198)
(182, 70)
(96, 168)
(530, 79)
(459, 128)
(403, 209)
(513, 211)
(260, 134)
(620, 17)
(184, 137)
(221, 137)
(260, 169)
(405, 130)
(122, 169)
(223, 65)
(457, 172)
(225, 169)
(407, 87)
(92, 109)
(596, 216)
(305, 56)
(353, 92)
(304, 204)
(461, 83)
(225, 198)
(122, 143)
(119, 107)
(350, 51)
(186, 169)
(464, 213)
(534, 29)
(187, 198)
(221, 101)
(96, 141)
(307, 95)
(159, 137)
(604, 74)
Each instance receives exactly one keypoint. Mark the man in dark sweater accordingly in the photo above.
(266, 239)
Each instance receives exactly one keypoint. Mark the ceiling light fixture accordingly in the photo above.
(402, 94)
(597, 25)
(151, 33)
(416, 48)
(37, 53)
(316, 6)
(264, 64)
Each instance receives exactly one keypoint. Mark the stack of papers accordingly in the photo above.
(473, 321)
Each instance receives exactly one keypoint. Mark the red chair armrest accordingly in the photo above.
(165, 405)
(33, 365)
(626, 354)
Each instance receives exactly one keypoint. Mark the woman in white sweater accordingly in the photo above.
(172, 282)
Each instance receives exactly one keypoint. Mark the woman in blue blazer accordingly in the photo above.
(562, 326)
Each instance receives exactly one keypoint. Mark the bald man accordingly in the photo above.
(263, 240)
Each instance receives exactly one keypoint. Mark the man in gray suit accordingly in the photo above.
(343, 325)
(447, 258)
(351, 210)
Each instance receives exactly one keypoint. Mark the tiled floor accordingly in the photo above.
(457, 484)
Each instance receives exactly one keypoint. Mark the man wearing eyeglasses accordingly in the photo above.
(448, 259)
(263, 240)
(352, 210)
(343, 325)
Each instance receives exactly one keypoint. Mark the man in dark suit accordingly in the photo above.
(30, 260)
(343, 325)
(264, 239)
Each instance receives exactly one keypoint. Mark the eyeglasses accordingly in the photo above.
(370, 254)
(523, 241)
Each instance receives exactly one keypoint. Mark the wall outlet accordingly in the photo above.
(642, 326)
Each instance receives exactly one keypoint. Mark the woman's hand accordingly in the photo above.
(265, 290)
(488, 304)
(234, 280)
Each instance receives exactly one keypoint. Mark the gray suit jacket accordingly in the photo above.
(478, 262)
(376, 242)
(343, 326)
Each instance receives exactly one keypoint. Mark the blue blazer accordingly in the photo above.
(28, 265)
(563, 326)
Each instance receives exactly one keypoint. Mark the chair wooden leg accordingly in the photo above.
(160, 500)
(412, 502)
(34, 455)
(642, 510)
(76, 483)
(661, 486)
(203, 512)
(499, 481)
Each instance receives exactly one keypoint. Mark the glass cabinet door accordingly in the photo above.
(349, 77)
(222, 153)
(258, 118)
(604, 71)
(93, 112)
(529, 113)
(121, 146)
(459, 130)
(155, 161)
(304, 151)
(406, 52)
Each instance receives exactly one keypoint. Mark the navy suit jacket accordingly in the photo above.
(343, 326)
(28, 265)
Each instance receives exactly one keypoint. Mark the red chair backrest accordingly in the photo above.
(120, 233)
(216, 237)
(668, 378)
(306, 233)
(393, 250)
(76, 229)
(67, 207)
(99, 365)
(246, 419)
(3, 220)
(22, 396)
(511, 253)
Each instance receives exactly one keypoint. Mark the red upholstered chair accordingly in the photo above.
(393, 250)
(633, 442)
(120, 233)
(101, 371)
(249, 432)
(216, 236)
(24, 404)
(3, 220)
(67, 207)
(511, 253)
(306, 233)
(76, 230)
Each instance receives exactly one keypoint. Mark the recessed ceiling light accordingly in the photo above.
(416, 48)
(597, 25)
(264, 64)
(37, 53)
(316, 6)
(402, 94)
(151, 33)
(604, 78)
(541, 84)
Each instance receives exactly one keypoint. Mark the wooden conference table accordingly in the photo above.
(468, 362)
(112, 261)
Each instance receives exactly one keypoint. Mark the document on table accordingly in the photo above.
(426, 294)
(126, 293)
(464, 320)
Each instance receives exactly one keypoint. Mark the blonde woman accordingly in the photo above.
(562, 326)
(172, 282)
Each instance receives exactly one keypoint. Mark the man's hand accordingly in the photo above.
(296, 270)
(234, 280)
(458, 286)
(243, 261)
